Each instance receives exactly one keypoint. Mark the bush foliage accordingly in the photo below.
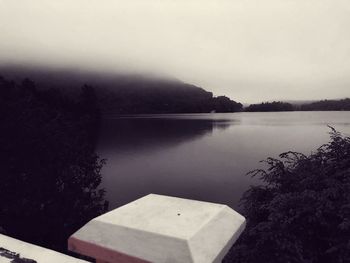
(302, 211)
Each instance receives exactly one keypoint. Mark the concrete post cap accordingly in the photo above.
(157, 228)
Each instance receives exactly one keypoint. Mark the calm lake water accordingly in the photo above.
(203, 156)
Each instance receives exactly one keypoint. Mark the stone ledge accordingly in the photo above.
(14, 249)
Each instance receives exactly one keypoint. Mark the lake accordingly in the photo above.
(202, 156)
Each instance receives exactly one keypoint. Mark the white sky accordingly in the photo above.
(251, 50)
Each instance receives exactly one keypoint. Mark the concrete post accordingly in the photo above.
(162, 229)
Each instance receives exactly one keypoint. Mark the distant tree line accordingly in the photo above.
(301, 212)
(270, 106)
(327, 105)
(323, 105)
(50, 173)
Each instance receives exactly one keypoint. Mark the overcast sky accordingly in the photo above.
(251, 51)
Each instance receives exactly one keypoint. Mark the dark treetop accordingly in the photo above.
(50, 173)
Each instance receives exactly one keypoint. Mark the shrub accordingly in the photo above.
(301, 213)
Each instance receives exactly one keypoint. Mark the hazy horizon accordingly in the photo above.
(250, 51)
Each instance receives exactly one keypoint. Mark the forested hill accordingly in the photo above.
(127, 94)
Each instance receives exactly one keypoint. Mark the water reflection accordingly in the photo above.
(202, 156)
(142, 155)
(145, 134)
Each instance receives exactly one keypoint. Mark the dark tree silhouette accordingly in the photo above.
(50, 174)
(302, 212)
(270, 106)
(224, 104)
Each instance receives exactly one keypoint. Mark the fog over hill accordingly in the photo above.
(249, 50)
(126, 93)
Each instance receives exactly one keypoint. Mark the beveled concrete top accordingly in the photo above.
(164, 215)
(157, 228)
